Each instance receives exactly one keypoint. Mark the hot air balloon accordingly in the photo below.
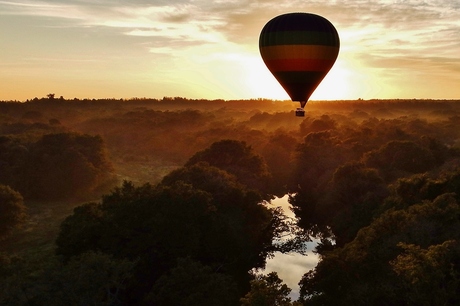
(299, 49)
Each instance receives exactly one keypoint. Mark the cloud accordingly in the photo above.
(240, 21)
(172, 23)
(41, 9)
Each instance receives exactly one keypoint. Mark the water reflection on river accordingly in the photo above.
(291, 267)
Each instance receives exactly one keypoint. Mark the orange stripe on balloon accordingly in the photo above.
(299, 51)
(300, 64)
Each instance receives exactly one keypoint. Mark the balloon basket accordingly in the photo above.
(300, 112)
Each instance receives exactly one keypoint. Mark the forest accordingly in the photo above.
(168, 201)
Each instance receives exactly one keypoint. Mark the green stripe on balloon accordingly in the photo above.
(298, 38)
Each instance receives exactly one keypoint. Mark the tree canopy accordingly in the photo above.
(237, 158)
(375, 182)
(198, 212)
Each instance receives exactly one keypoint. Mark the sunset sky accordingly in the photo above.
(209, 49)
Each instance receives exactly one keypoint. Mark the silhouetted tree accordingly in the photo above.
(352, 198)
(66, 165)
(13, 157)
(199, 212)
(316, 160)
(191, 283)
(89, 279)
(12, 210)
(400, 155)
(429, 276)
(237, 158)
(153, 226)
(417, 188)
(268, 290)
(279, 155)
(368, 271)
(322, 124)
(242, 210)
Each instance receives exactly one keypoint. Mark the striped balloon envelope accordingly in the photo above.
(299, 49)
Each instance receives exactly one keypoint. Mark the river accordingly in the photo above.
(291, 267)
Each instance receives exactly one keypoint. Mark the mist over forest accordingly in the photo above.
(167, 201)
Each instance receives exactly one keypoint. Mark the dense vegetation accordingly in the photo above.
(166, 202)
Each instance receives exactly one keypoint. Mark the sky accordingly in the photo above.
(208, 49)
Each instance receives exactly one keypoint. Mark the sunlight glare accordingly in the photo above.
(260, 82)
(335, 85)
